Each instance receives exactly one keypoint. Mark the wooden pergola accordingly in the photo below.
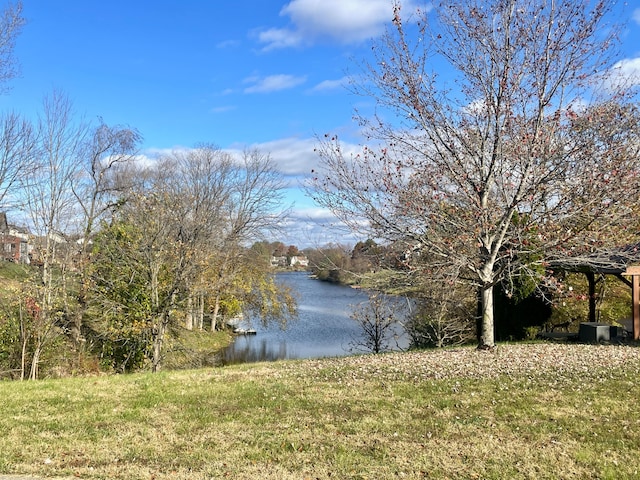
(622, 263)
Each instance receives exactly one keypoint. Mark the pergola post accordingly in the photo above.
(591, 279)
(634, 273)
(635, 299)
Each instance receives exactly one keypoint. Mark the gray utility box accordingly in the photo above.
(594, 332)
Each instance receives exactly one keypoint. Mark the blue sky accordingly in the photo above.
(243, 73)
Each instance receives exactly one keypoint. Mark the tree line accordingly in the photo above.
(505, 143)
(126, 250)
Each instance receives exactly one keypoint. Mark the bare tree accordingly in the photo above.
(50, 204)
(444, 313)
(11, 23)
(203, 186)
(530, 147)
(16, 134)
(231, 203)
(107, 149)
(180, 239)
(254, 210)
(379, 321)
(17, 155)
(16, 139)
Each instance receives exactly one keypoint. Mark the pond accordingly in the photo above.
(323, 327)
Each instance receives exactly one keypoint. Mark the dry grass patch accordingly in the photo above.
(525, 411)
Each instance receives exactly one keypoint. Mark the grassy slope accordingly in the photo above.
(11, 276)
(526, 411)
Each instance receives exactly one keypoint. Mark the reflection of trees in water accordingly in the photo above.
(254, 350)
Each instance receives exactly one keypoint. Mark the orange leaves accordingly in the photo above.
(33, 309)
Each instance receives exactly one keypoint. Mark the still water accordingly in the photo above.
(323, 327)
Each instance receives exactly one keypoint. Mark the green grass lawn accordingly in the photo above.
(525, 411)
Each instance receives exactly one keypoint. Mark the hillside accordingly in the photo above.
(12, 274)
(523, 411)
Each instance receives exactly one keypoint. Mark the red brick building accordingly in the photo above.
(14, 242)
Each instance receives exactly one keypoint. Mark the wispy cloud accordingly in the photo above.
(291, 156)
(273, 83)
(275, 38)
(341, 21)
(636, 15)
(328, 85)
(624, 74)
(314, 227)
(228, 44)
(630, 68)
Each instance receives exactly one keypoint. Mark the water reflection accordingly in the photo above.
(322, 329)
(247, 349)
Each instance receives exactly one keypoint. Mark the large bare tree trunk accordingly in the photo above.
(200, 317)
(487, 327)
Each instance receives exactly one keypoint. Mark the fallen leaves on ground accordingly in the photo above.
(549, 360)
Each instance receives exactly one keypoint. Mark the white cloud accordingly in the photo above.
(476, 107)
(630, 68)
(316, 214)
(624, 74)
(636, 15)
(308, 225)
(146, 159)
(328, 85)
(342, 21)
(294, 156)
(314, 227)
(578, 105)
(280, 38)
(273, 83)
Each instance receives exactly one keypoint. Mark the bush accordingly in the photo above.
(443, 317)
(378, 321)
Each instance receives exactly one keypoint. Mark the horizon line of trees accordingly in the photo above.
(162, 246)
(157, 245)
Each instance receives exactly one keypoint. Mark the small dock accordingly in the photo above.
(240, 326)
(244, 331)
